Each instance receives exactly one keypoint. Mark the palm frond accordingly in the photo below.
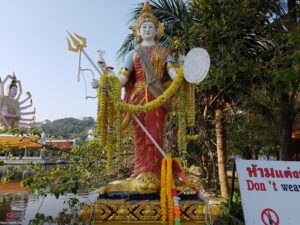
(174, 14)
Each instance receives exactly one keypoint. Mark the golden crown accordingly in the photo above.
(147, 15)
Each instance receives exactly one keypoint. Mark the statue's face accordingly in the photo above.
(147, 31)
(13, 91)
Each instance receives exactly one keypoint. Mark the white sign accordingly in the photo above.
(270, 191)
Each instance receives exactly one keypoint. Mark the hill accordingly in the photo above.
(68, 128)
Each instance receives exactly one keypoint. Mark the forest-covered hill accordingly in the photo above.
(68, 128)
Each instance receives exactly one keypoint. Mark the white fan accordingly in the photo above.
(196, 65)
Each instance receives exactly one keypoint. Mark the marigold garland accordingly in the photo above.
(170, 185)
(169, 200)
(181, 112)
(109, 136)
(190, 108)
(118, 131)
(163, 191)
(162, 99)
(114, 85)
(109, 118)
(102, 111)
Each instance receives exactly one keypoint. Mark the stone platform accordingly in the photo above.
(147, 211)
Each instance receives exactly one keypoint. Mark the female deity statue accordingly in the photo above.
(11, 110)
(146, 72)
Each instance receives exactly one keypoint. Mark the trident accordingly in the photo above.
(80, 44)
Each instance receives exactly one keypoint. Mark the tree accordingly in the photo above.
(69, 128)
(286, 74)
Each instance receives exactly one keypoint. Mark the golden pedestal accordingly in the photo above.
(121, 212)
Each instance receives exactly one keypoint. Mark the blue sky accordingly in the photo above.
(34, 46)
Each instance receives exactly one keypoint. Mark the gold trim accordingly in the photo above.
(125, 72)
(121, 212)
(170, 65)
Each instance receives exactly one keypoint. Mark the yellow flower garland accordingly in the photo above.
(109, 119)
(169, 201)
(118, 133)
(170, 184)
(109, 136)
(162, 99)
(114, 84)
(163, 191)
(181, 111)
(102, 113)
(190, 109)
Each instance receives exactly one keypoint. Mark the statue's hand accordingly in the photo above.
(28, 94)
(110, 70)
(95, 83)
(101, 61)
(102, 65)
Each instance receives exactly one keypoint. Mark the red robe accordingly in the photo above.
(147, 157)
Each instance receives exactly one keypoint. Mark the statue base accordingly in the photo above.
(133, 208)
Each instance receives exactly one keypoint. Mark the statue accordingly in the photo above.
(147, 75)
(11, 111)
(146, 72)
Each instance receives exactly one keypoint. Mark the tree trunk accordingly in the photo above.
(214, 175)
(285, 129)
(221, 152)
(287, 110)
